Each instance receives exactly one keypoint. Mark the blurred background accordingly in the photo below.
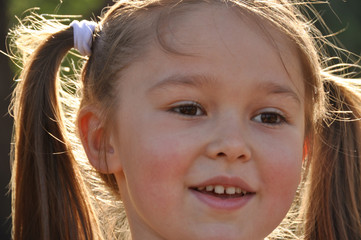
(342, 17)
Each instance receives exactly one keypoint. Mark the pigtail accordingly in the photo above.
(334, 209)
(49, 197)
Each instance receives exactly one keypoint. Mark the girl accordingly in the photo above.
(198, 116)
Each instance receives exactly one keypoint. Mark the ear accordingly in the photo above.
(305, 148)
(99, 147)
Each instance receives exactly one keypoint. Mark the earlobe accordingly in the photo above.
(98, 146)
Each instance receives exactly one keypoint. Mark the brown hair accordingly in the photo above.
(50, 198)
(333, 203)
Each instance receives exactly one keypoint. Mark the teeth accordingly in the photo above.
(219, 189)
(230, 190)
(209, 188)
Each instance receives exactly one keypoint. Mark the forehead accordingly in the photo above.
(211, 30)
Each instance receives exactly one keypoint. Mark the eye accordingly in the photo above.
(270, 118)
(188, 109)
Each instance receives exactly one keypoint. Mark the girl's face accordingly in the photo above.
(210, 142)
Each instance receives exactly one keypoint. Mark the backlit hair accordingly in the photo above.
(58, 195)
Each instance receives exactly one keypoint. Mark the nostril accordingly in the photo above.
(221, 154)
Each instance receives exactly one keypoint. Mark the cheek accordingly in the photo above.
(279, 164)
(160, 152)
(281, 169)
(155, 164)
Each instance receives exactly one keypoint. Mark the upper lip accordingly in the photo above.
(226, 181)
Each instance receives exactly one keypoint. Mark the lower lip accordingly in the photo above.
(223, 203)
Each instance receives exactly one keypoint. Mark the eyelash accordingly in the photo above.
(193, 109)
(189, 109)
(275, 117)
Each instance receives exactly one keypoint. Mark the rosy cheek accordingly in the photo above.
(282, 171)
(155, 177)
(160, 160)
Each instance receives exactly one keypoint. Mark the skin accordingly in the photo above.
(233, 108)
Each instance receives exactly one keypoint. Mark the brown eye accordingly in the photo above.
(191, 109)
(188, 110)
(271, 118)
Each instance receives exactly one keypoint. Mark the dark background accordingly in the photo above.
(340, 15)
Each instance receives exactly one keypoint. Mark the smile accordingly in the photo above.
(222, 191)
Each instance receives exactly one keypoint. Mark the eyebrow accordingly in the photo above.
(183, 81)
(274, 88)
(203, 81)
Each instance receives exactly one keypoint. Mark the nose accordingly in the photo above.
(229, 142)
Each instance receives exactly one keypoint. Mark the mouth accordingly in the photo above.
(223, 192)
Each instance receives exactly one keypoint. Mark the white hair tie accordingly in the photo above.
(83, 36)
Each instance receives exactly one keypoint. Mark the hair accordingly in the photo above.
(56, 195)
